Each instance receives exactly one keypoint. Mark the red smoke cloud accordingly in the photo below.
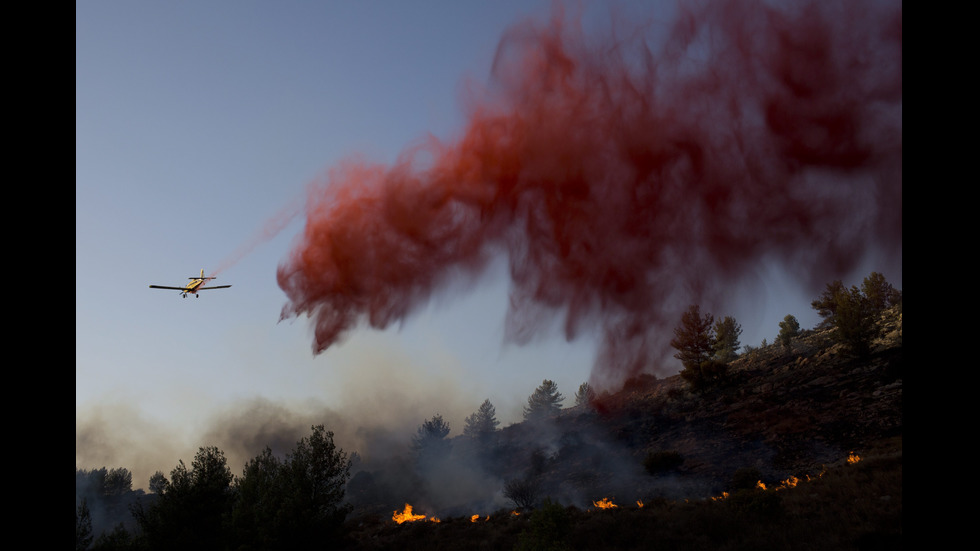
(625, 181)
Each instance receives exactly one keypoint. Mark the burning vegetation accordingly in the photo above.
(623, 183)
(604, 503)
(407, 516)
(687, 487)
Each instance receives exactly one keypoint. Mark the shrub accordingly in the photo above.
(547, 529)
(708, 374)
(523, 493)
(727, 332)
(789, 329)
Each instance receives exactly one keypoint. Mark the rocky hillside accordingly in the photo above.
(784, 412)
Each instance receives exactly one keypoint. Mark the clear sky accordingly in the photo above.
(198, 126)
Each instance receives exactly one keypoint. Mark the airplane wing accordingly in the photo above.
(215, 287)
(165, 287)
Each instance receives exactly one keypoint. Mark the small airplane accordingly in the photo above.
(196, 284)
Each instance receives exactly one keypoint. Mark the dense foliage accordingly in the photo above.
(693, 338)
(726, 342)
(292, 503)
(853, 312)
(789, 329)
(704, 356)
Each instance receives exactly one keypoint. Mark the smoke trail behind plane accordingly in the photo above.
(624, 181)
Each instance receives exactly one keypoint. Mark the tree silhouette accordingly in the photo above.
(430, 444)
(482, 424)
(789, 329)
(585, 394)
(694, 341)
(296, 502)
(262, 496)
(544, 402)
(83, 526)
(190, 511)
(317, 472)
(854, 322)
(826, 303)
(726, 344)
(852, 312)
(693, 338)
(523, 493)
(879, 293)
(158, 482)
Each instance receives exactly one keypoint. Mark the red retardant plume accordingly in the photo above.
(624, 181)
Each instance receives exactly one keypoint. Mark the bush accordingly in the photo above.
(789, 329)
(853, 312)
(523, 493)
(706, 375)
(854, 322)
(547, 530)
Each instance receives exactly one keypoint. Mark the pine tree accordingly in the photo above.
(694, 341)
(190, 512)
(693, 338)
(727, 332)
(430, 442)
(879, 293)
(545, 402)
(83, 526)
(852, 312)
(482, 423)
(826, 303)
(293, 503)
(789, 329)
(854, 321)
(585, 395)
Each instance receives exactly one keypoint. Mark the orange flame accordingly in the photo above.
(639, 503)
(853, 458)
(407, 516)
(604, 503)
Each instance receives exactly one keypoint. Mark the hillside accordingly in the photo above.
(786, 416)
(799, 448)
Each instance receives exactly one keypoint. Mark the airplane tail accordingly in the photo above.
(202, 276)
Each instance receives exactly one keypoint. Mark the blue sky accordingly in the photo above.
(199, 122)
